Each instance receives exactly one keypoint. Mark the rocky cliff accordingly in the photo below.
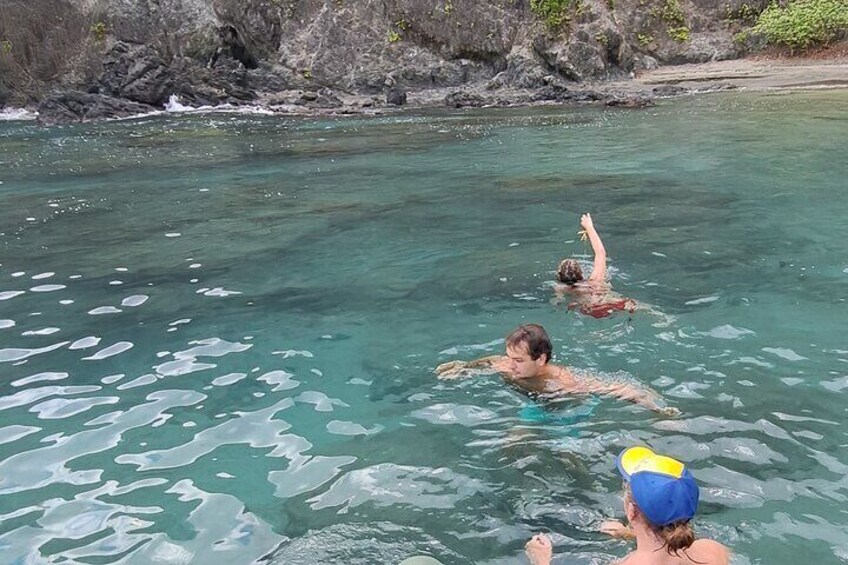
(82, 59)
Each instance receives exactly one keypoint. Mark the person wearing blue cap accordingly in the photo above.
(660, 499)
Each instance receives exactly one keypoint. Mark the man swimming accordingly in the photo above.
(526, 366)
(592, 296)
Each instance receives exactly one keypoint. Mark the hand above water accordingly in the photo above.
(616, 529)
(586, 222)
(457, 369)
(669, 412)
(451, 369)
(539, 550)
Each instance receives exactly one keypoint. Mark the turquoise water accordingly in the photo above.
(218, 333)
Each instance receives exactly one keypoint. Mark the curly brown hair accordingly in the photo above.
(569, 272)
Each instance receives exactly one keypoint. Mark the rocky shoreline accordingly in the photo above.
(113, 59)
(314, 57)
(636, 92)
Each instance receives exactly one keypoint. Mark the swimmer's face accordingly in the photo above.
(521, 365)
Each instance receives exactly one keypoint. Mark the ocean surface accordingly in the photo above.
(218, 331)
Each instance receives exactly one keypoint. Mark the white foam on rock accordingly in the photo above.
(17, 114)
(175, 106)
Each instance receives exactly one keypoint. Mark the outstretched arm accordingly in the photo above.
(457, 369)
(599, 268)
(629, 392)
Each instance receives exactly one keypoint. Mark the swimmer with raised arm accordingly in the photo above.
(592, 296)
(660, 499)
(527, 367)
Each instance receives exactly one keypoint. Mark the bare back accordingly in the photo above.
(702, 552)
(595, 299)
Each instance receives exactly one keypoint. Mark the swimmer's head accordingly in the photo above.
(533, 340)
(661, 493)
(569, 272)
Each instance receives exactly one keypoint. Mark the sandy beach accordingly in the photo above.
(752, 73)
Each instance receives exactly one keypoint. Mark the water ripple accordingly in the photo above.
(38, 377)
(258, 429)
(44, 466)
(244, 373)
(114, 349)
(387, 484)
(18, 354)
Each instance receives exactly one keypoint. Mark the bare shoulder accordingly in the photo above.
(595, 285)
(562, 289)
(635, 558)
(708, 552)
(565, 376)
(566, 381)
(702, 552)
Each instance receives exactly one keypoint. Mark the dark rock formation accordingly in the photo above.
(70, 107)
(396, 96)
(629, 102)
(555, 93)
(669, 90)
(463, 99)
(136, 73)
(324, 98)
(232, 42)
(485, 51)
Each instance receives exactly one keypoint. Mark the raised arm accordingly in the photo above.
(457, 369)
(599, 268)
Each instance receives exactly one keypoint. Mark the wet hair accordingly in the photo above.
(676, 537)
(569, 272)
(535, 337)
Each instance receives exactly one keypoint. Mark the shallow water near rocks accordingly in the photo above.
(218, 332)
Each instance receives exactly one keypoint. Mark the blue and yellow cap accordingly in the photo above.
(663, 488)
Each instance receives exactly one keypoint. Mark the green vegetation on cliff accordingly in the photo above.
(671, 14)
(803, 23)
(553, 12)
